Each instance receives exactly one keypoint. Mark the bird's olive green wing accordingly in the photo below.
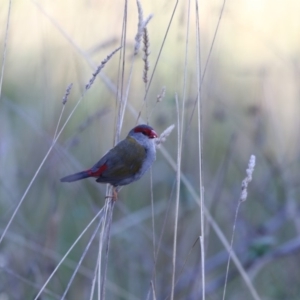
(122, 161)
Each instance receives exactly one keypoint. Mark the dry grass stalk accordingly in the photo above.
(104, 242)
(5, 44)
(142, 24)
(243, 197)
(146, 55)
(81, 259)
(159, 99)
(67, 93)
(247, 179)
(100, 67)
(213, 40)
(219, 232)
(153, 290)
(138, 36)
(178, 181)
(64, 101)
(67, 253)
(47, 155)
(161, 95)
(162, 138)
(212, 222)
(200, 152)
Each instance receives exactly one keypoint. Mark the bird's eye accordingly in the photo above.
(144, 132)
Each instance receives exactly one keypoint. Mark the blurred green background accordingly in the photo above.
(250, 105)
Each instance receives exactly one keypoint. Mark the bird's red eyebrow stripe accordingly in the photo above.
(150, 132)
(98, 172)
(140, 129)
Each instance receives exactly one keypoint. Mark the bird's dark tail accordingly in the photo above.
(77, 176)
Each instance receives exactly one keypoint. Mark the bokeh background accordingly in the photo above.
(250, 105)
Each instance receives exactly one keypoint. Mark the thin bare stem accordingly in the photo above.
(67, 253)
(243, 198)
(64, 101)
(178, 174)
(207, 214)
(37, 171)
(58, 122)
(5, 46)
(180, 139)
(184, 264)
(123, 102)
(119, 91)
(94, 279)
(28, 281)
(43, 161)
(79, 50)
(202, 249)
(153, 231)
(185, 70)
(213, 41)
(108, 220)
(198, 67)
(101, 243)
(105, 230)
(99, 68)
(153, 290)
(160, 50)
(159, 98)
(81, 259)
(208, 57)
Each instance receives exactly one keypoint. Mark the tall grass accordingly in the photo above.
(74, 242)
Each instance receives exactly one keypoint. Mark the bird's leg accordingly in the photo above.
(114, 196)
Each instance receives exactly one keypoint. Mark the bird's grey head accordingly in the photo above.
(143, 130)
(143, 134)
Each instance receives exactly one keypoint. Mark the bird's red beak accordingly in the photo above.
(153, 134)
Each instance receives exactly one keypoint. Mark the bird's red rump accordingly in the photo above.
(98, 172)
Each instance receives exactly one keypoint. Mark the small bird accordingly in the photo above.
(126, 162)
